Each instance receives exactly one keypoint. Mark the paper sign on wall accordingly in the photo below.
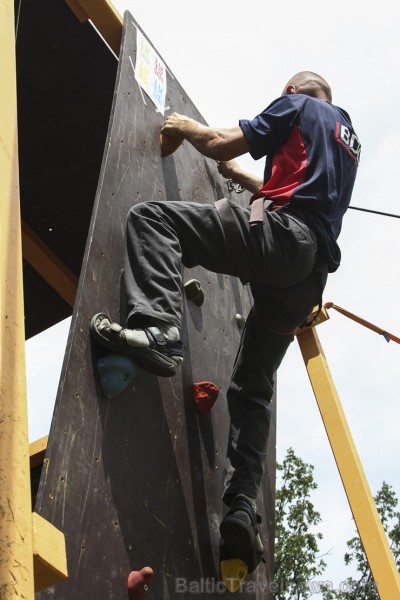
(150, 72)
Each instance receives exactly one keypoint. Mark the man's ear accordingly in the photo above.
(291, 89)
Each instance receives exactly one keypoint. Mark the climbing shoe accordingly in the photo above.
(239, 531)
(149, 347)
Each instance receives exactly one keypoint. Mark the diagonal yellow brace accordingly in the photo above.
(104, 16)
(372, 534)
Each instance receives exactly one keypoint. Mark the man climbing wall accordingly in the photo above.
(284, 246)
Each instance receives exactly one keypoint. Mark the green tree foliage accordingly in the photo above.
(296, 546)
(364, 587)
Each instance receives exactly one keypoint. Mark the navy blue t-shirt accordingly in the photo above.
(312, 155)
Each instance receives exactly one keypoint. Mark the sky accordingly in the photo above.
(233, 59)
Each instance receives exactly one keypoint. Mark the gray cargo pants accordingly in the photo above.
(278, 259)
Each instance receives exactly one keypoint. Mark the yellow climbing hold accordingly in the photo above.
(233, 573)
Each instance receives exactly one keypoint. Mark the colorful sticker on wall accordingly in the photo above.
(150, 72)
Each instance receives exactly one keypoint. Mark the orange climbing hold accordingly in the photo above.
(138, 583)
(205, 394)
(169, 144)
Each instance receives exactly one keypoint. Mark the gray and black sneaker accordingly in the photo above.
(239, 530)
(154, 352)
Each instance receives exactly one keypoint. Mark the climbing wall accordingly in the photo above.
(136, 480)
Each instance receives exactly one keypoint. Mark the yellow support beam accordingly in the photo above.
(37, 450)
(48, 265)
(49, 552)
(104, 16)
(49, 556)
(372, 534)
(16, 544)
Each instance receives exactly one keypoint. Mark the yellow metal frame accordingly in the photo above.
(372, 534)
(16, 547)
(25, 539)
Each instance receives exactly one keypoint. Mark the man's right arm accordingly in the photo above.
(222, 145)
(217, 143)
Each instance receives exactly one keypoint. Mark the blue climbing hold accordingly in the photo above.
(116, 373)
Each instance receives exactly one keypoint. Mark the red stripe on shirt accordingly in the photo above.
(288, 171)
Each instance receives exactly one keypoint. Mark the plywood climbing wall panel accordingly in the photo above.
(137, 480)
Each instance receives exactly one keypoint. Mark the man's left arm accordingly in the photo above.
(232, 170)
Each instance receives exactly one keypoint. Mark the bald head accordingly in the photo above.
(309, 83)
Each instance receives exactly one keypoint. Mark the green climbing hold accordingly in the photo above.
(194, 291)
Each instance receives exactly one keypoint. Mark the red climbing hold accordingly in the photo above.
(205, 394)
(138, 583)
